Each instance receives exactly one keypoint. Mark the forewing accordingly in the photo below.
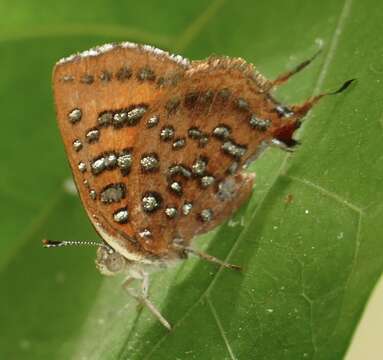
(104, 98)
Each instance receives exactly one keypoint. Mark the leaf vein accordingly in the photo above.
(221, 329)
(345, 12)
(328, 193)
(310, 303)
(353, 266)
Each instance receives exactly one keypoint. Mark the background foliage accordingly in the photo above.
(310, 264)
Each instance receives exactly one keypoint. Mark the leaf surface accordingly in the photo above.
(309, 239)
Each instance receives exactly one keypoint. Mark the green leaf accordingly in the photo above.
(309, 238)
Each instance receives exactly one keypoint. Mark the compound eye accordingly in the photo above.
(109, 262)
(115, 263)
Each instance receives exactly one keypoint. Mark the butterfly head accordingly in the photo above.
(110, 262)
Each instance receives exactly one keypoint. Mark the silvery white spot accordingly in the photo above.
(151, 202)
(259, 124)
(174, 170)
(222, 132)
(206, 215)
(203, 141)
(110, 160)
(233, 149)
(121, 216)
(135, 115)
(145, 233)
(176, 187)
(120, 118)
(199, 167)
(77, 145)
(153, 121)
(194, 133)
(67, 78)
(242, 104)
(98, 165)
(105, 119)
(226, 189)
(92, 135)
(171, 212)
(146, 74)
(113, 193)
(207, 181)
(149, 162)
(179, 144)
(186, 208)
(75, 116)
(167, 133)
(185, 172)
(179, 170)
(124, 161)
(233, 168)
(93, 194)
(82, 166)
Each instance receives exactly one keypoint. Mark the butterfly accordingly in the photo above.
(158, 146)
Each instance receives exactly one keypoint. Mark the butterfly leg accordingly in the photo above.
(281, 145)
(142, 297)
(208, 257)
(274, 142)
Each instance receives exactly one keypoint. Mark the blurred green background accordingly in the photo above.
(310, 263)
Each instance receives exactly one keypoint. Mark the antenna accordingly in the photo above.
(302, 109)
(344, 86)
(63, 243)
(207, 257)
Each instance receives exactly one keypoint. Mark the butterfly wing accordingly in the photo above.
(214, 122)
(103, 99)
(157, 145)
